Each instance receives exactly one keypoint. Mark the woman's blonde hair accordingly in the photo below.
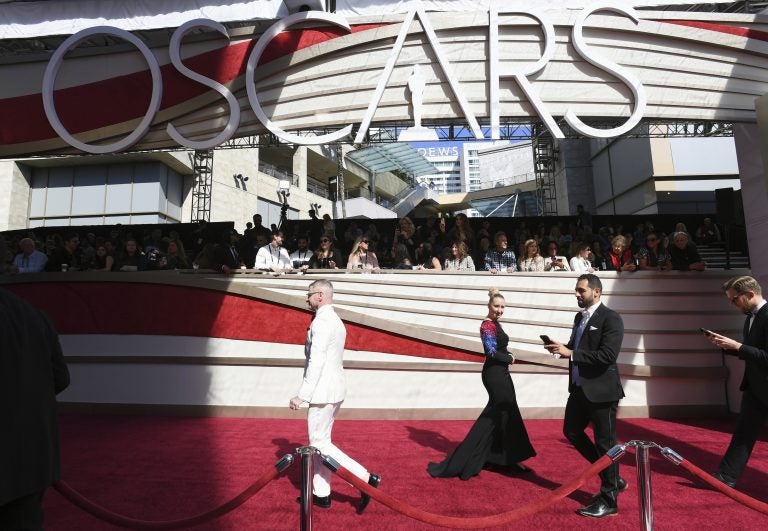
(493, 293)
(619, 239)
(525, 247)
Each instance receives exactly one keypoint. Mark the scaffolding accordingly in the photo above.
(202, 166)
(544, 158)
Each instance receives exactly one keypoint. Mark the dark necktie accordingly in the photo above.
(575, 379)
(748, 324)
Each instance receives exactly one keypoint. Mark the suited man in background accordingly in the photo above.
(32, 373)
(747, 296)
(595, 388)
(323, 389)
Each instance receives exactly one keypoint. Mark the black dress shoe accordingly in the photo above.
(622, 484)
(374, 480)
(598, 509)
(320, 501)
(722, 478)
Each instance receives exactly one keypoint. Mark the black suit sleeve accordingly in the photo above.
(757, 353)
(60, 370)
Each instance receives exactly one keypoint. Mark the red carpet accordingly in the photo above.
(160, 468)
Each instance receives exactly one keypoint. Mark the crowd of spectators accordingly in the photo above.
(436, 243)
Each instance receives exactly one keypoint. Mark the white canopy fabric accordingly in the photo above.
(377, 7)
(400, 156)
(20, 20)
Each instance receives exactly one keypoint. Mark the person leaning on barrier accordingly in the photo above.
(32, 373)
(531, 260)
(595, 388)
(273, 256)
(580, 262)
(746, 295)
(653, 256)
(684, 255)
(323, 390)
(361, 257)
(620, 257)
(301, 256)
(29, 260)
(554, 261)
(326, 256)
(500, 259)
(460, 261)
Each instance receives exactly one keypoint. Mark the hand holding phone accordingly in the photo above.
(546, 339)
(706, 332)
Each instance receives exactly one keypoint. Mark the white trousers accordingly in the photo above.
(320, 419)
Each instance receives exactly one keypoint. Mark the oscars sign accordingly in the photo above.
(498, 75)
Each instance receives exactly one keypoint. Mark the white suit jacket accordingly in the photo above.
(324, 349)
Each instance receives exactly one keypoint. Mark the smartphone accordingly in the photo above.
(546, 340)
(706, 332)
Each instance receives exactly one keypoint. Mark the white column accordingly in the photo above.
(300, 166)
(752, 152)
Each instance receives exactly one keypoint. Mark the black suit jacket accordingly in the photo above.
(753, 352)
(596, 355)
(32, 372)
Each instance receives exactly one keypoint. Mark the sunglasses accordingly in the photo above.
(324, 240)
(363, 241)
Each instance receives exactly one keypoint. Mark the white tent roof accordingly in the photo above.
(28, 19)
(394, 156)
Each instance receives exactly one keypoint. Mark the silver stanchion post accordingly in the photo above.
(644, 490)
(307, 471)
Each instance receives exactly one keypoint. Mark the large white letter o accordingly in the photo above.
(52, 70)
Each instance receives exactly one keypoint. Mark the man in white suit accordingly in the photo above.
(323, 389)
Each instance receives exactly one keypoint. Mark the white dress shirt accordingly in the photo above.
(270, 257)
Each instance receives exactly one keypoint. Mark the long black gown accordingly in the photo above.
(498, 437)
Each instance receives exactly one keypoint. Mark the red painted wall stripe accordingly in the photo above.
(156, 309)
(749, 33)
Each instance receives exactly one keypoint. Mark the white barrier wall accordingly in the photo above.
(667, 366)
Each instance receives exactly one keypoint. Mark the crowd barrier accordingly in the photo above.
(307, 452)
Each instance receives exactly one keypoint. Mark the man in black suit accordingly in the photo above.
(747, 296)
(595, 388)
(32, 373)
(226, 257)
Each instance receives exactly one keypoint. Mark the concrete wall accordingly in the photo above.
(14, 196)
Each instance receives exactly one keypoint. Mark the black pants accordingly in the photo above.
(579, 412)
(23, 514)
(752, 417)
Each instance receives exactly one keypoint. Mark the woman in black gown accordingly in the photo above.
(498, 439)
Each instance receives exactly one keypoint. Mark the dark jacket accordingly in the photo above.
(32, 373)
(753, 352)
(596, 355)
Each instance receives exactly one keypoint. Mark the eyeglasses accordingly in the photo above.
(324, 240)
(736, 297)
(310, 293)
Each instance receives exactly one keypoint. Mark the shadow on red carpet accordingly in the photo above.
(162, 468)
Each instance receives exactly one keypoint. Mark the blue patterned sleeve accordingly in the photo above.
(488, 337)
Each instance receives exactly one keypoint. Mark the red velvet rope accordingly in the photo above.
(740, 497)
(113, 518)
(474, 522)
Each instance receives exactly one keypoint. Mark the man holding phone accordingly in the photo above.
(746, 295)
(595, 388)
